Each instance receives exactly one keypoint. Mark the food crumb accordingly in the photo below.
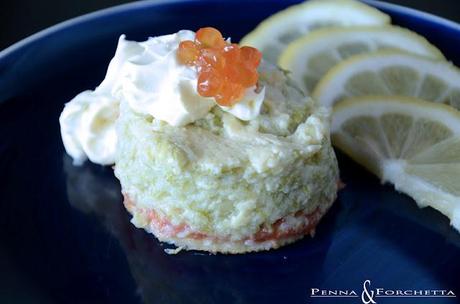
(173, 251)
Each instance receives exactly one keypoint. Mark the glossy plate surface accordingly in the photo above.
(66, 238)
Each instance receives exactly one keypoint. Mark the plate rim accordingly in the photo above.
(102, 13)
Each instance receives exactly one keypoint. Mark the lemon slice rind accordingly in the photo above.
(337, 83)
(333, 45)
(304, 17)
(398, 170)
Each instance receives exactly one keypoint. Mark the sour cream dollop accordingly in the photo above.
(147, 76)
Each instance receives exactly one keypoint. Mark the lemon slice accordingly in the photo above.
(275, 32)
(311, 56)
(411, 143)
(390, 73)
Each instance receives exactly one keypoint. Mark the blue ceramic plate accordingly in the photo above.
(66, 238)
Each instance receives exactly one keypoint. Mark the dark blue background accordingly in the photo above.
(66, 238)
(20, 18)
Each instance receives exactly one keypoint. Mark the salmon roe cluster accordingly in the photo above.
(225, 70)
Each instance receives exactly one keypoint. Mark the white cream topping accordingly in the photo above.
(247, 108)
(88, 129)
(148, 76)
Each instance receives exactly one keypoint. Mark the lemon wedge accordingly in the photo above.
(310, 57)
(411, 143)
(391, 73)
(274, 33)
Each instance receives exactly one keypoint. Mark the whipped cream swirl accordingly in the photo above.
(147, 76)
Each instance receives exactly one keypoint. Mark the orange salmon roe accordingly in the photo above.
(225, 70)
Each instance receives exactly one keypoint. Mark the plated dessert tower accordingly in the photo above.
(214, 149)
